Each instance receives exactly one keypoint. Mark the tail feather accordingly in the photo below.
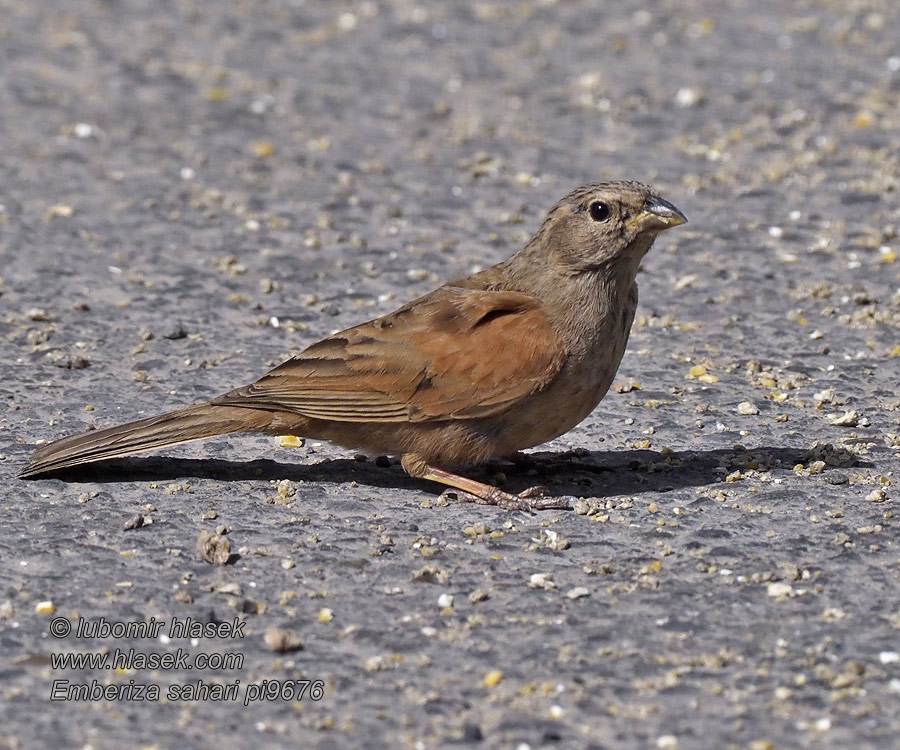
(182, 426)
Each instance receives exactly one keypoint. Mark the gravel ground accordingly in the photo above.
(192, 191)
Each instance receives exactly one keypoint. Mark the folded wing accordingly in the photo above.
(453, 354)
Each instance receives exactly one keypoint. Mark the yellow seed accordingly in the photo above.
(325, 615)
(45, 608)
(864, 119)
(217, 95)
(708, 378)
(290, 441)
(493, 678)
(697, 370)
(262, 149)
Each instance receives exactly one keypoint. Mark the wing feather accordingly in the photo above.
(453, 354)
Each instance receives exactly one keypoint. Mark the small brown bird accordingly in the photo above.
(482, 367)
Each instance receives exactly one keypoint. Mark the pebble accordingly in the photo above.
(213, 548)
(541, 581)
(282, 640)
(688, 97)
(779, 590)
(177, 331)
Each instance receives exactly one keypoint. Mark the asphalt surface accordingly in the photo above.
(192, 191)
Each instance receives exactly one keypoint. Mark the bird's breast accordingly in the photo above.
(583, 381)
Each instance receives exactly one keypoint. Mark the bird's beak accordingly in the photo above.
(657, 214)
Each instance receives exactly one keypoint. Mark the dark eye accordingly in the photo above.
(598, 211)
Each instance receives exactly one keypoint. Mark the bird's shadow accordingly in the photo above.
(576, 473)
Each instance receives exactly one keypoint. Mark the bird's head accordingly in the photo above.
(605, 225)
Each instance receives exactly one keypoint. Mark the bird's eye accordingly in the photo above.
(598, 211)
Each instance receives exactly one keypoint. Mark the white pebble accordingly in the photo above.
(83, 130)
(779, 589)
(688, 97)
(541, 581)
(445, 601)
(346, 22)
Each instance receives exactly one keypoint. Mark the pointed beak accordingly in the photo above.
(658, 214)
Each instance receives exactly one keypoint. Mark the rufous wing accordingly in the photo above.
(454, 354)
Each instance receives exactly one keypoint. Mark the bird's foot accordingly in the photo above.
(530, 500)
(472, 491)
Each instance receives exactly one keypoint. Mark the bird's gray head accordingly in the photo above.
(605, 225)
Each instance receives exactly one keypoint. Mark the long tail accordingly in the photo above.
(193, 423)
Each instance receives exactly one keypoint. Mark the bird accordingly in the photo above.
(482, 367)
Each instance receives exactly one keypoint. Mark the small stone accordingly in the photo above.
(541, 581)
(780, 590)
(213, 548)
(281, 640)
(59, 211)
(747, 409)
(847, 419)
(876, 496)
(688, 97)
(135, 522)
(176, 332)
(825, 396)
(578, 592)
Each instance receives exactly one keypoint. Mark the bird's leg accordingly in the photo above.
(473, 491)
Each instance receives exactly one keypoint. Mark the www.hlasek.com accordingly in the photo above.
(123, 660)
